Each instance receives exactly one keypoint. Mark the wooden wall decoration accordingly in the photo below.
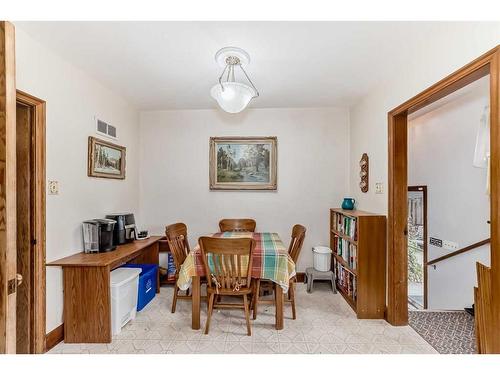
(363, 174)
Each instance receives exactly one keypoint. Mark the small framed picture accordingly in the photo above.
(243, 163)
(105, 159)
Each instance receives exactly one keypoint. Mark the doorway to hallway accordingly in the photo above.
(417, 247)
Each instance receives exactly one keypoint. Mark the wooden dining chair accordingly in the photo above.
(298, 235)
(179, 248)
(237, 225)
(227, 273)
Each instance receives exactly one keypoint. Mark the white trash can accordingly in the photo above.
(124, 288)
(322, 258)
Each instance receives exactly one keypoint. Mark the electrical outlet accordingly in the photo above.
(450, 245)
(379, 188)
(53, 187)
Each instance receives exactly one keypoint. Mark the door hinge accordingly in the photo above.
(11, 286)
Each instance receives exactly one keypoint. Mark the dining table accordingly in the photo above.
(271, 261)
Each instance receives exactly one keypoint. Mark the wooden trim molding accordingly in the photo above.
(39, 292)
(397, 246)
(54, 337)
(471, 72)
(397, 309)
(8, 202)
(494, 327)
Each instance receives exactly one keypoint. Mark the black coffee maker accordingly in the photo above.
(125, 228)
(98, 235)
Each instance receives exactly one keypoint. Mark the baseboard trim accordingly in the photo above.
(54, 337)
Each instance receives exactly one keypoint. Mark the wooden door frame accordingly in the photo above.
(423, 189)
(489, 63)
(37, 106)
(8, 204)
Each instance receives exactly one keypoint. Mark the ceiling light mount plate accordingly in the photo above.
(232, 56)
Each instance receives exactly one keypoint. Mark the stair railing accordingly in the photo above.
(460, 251)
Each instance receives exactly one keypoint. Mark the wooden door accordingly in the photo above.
(30, 166)
(24, 192)
(8, 283)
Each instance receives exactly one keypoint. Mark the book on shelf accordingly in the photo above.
(346, 280)
(346, 225)
(346, 250)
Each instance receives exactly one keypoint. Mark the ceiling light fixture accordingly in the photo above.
(232, 96)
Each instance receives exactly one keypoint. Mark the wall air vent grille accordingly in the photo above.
(111, 131)
(105, 129)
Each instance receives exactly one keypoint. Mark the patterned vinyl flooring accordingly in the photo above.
(449, 332)
(325, 325)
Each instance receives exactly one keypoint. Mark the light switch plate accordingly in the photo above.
(379, 188)
(53, 187)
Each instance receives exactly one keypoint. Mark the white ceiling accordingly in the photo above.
(170, 65)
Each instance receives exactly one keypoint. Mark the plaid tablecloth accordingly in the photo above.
(270, 261)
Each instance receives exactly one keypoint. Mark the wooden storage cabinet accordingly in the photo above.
(87, 295)
(358, 242)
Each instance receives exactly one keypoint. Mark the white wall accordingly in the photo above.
(313, 179)
(73, 99)
(312, 171)
(440, 152)
(430, 61)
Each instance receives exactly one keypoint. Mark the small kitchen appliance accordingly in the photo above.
(125, 228)
(98, 235)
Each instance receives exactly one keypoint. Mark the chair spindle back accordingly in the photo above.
(298, 235)
(177, 241)
(223, 259)
(237, 225)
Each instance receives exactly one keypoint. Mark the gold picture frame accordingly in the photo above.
(243, 163)
(105, 159)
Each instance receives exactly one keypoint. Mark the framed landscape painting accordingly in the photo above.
(105, 159)
(243, 163)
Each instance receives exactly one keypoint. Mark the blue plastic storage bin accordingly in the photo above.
(147, 283)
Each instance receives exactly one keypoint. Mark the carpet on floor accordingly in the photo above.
(449, 332)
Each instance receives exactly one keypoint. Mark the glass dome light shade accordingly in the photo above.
(235, 96)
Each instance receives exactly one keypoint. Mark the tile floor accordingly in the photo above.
(449, 332)
(325, 324)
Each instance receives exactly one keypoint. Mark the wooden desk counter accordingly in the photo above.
(113, 258)
(87, 293)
